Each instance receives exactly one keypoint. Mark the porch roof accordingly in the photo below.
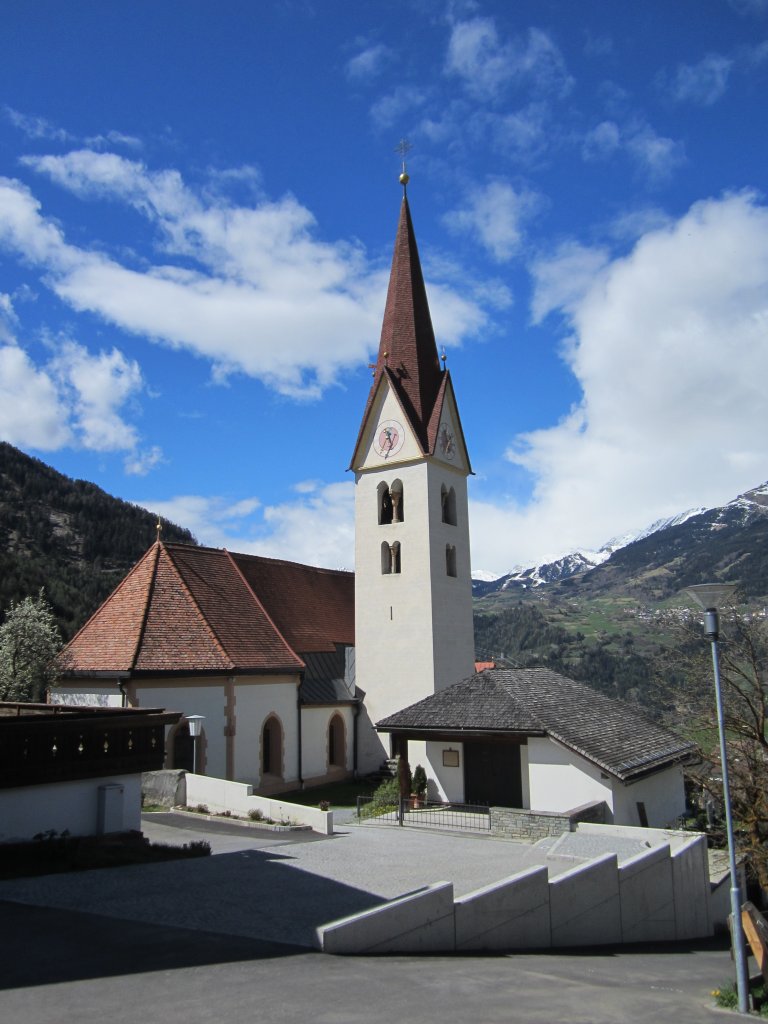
(608, 732)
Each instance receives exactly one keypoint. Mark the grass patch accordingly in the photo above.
(51, 853)
(338, 794)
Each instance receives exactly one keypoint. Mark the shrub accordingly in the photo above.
(385, 799)
(256, 814)
(419, 783)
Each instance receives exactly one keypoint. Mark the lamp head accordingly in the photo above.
(710, 596)
(195, 725)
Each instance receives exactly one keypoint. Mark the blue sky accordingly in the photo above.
(197, 208)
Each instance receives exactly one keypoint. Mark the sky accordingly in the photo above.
(198, 203)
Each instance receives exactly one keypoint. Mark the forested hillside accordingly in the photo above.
(522, 637)
(67, 536)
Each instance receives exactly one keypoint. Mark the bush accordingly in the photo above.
(385, 799)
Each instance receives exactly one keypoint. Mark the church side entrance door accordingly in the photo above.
(492, 774)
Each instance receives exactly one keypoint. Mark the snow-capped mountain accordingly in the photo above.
(665, 550)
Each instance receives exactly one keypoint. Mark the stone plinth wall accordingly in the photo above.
(530, 826)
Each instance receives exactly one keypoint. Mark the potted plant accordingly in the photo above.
(418, 786)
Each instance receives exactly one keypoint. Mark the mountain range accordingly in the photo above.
(77, 541)
(728, 543)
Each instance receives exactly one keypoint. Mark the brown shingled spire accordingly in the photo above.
(407, 346)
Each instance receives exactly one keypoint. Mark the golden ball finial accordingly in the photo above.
(404, 178)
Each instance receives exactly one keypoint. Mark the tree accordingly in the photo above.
(29, 642)
(689, 693)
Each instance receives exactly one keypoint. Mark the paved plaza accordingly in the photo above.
(229, 937)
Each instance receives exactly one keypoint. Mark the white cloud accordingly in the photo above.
(75, 400)
(488, 65)
(702, 83)
(141, 462)
(226, 287)
(100, 385)
(36, 127)
(31, 410)
(656, 155)
(562, 278)
(368, 63)
(669, 351)
(602, 141)
(522, 135)
(316, 528)
(392, 107)
(494, 215)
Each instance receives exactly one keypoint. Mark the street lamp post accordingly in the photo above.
(195, 724)
(709, 596)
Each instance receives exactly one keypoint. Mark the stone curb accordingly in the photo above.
(228, 819)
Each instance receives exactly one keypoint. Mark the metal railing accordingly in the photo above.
(428, 814)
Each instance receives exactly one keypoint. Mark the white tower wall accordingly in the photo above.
(413, 629)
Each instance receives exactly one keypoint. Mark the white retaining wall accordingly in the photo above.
(659, 895)
(419, 922)
(238, 797)
(73, 807)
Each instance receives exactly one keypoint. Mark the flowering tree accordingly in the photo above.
(29, 642)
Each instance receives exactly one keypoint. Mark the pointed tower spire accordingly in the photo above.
(407, 349)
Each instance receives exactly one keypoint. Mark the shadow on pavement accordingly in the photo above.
(44, 946)
(239, 906)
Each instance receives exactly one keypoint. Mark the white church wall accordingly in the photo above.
(315, 724)
(414, 630)
(256, 699)
(662, 794)
(560, 779)
(393, 611)
(454, 641)
(448, 780)
(192, 697)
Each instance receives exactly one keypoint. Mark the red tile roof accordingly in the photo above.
(192, 609)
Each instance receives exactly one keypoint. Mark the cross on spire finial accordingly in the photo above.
(403, 148)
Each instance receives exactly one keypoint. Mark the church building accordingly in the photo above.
(306, 675)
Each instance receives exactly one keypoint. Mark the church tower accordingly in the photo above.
(413, 589)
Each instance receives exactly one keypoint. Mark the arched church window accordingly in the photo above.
(272, 747)
(384, 502)
(448, 502)
(389, 500)
(390, 558)
(336, 745)
(450, 559)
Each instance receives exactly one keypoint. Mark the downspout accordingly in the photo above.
(123, 694)
(298, 714)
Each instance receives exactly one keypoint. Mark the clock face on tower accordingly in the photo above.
(389, 439)
(446, 443)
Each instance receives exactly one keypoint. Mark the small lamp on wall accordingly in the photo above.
(195, 726)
